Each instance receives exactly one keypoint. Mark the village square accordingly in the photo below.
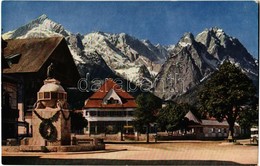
(108, 95)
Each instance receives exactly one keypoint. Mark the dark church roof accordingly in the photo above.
(34, 55)
(28, 55)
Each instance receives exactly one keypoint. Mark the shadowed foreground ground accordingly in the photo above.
(25, 160)
(164, 153)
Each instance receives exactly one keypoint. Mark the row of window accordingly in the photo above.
(109, 113)
(109, 127)
(218, 130)
(52, 95)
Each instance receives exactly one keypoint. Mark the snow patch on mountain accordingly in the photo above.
(131, 73)
(184, 44)
(122, 52)
(97, 42)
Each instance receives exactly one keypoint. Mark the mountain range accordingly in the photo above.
(171, 70)
(194, 59)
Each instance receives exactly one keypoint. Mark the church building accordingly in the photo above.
(109, 110)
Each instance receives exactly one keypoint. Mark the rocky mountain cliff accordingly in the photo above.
(193, 59)
(224, 47)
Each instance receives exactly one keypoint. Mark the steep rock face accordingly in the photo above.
(222, 47)
(184, 69)
(191, 61)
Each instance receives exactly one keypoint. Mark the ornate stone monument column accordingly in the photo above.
(51, 118)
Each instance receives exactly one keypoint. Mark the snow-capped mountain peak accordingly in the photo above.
(42, 18)
(215, 36)
(38, 28)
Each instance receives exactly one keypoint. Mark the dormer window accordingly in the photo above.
(13, 59)
(112, 98)
(112, 101)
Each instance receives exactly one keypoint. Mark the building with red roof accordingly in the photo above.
(109, 110)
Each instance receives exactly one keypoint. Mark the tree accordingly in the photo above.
(227, 93)
(248, 118)
(171, 117)
(78, 122)
(147, 109)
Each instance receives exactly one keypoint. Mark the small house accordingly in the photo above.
(209, 128)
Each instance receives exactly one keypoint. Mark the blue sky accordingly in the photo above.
(160, 22)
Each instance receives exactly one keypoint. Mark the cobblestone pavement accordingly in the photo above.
(163, 153)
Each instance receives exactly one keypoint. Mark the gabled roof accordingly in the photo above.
(96, 100)
(105, 88)
(206, 122)
(192, 117)
(34, 52)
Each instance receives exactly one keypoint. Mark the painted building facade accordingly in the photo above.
(109, 110)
